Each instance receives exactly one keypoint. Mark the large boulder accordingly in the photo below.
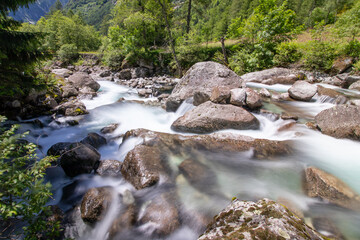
(82, 79)
(71, 108)
(69, 91)
(202, 77)
(95, 204)
(209, 117)
(143, 166)
(318, 183)
(264, 219)
(216, 142)
(274, 76)
(75, 158)
(161, 215)
(62, 72)
(342, 121)
(302, 90)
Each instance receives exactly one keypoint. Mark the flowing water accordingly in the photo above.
(238, 175)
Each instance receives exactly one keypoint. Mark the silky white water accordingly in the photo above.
(238, 175)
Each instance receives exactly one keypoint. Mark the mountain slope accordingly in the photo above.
(35, 11)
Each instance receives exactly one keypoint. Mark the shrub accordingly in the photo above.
(113, 59)
(352, 49)
(319, 55)
(23, 192)
(68, 53)
(286, 54)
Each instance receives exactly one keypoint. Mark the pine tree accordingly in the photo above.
(19, 51)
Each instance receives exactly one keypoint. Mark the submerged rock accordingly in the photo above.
(75, 158)
(209, 117)
(202, 77)
(318, 183)
(302, 91)
(264, 219)
(109, 168)
(161, 215)
(143, 166)
(342, 121)
(94, 140)
(274, 76)
(95, 204)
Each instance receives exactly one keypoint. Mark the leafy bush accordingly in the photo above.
(318, 55)
(23, 192)
(352, 49)
(286, 54)
(113, 59)
(68, 53)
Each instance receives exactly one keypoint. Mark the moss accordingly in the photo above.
(271, 213)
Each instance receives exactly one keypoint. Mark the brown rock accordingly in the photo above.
(125, 221)
(342, 64)
(110, 128)
(143, 166)
(238, 97)
(253, 99)
(318, 183)
(200, 97)
(322, 91)
(209, 117)
(95, 204)
(220, 94)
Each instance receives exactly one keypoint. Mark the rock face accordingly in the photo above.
(209, 117)
(264, 219)
(202, 77)
(109, 168)
(75, 158)
(162, 215)
(273, 76)
(95, 203)
(342, 121)
(318, 183)
(94, 140)
(302, 91)
(81, 79)
(143, 166)
(355, 86)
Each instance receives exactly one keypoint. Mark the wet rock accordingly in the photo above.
(75, 158)
(71, 108)
(95, 204)
(199, 175)
(110, 128)
(143, 166)
(140, 72)
(342, 121)
(200, 97)
(238, 97)
(328, 228)
(287, 116)
(322, 91)
(318, 183)
(209, 117)
(125, 74)
(69, 91)
(355, 86)
(220, 94)
(202, 77)
(94, 140)
(81, 79)
(341, 65)
(161, 215)
(265, 93)
(264, 219)
(216, 142)
(349, 79)
(341, 100)
(302, 91)
(274, 76)
(253, 99)
(109, 168)
(125, 221)
(87, 92)
(73, 225)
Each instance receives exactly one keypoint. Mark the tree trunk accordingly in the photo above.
(171, 40)
(224, 50)
(188, 19)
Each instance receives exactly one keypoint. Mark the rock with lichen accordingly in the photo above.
(264, 219)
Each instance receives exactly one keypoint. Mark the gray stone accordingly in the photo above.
(355, 86)
(238, 97)
(220, 94)
(274, 76)
(302, 90)
(209, 117)
(253, 99)
(94, 140)
(109, 168)
(125, 74)
(81, 79)
(69, 91)
(202, 77)
(200, 97)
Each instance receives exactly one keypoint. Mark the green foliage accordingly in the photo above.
(113, 59)
(352, 49)
(286, 54)
(348, 24)
(23, 192)
(318, 55)
(68, 53)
